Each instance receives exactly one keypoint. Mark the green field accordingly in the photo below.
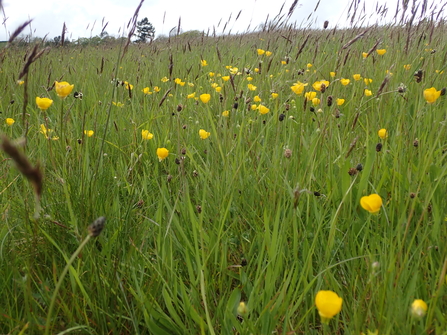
(262, 207)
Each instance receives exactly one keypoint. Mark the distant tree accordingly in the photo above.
(145, 31)
(57, 40)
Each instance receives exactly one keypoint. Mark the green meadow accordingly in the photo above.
(259, 200)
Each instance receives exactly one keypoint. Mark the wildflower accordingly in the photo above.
(251, 87)
(218, 89)
(344, 81)
(332, 74)
(226, 113)
(128, 86)
(316, 101)
(214, 85)
(204, 134)
(156, 89)
(419, 308)
(249, 78)
(46, 132)
(368, 93)
(268, 53)
(310, 95)
(309, 65)
(162, 153)
(63, 89)
(178, 81)
(328, 304)
(191, 96)
(89, 133)
(381, 52)
(242, 309)
(364, 54)
(263, 110)
(298, 88)
(407, 67)
(225, 78)
(367, 81)
(254, 107)
(357, 77)
(340, 101)
(283, 62)
(317, 85)
(257, 98)
(211, 74)
(146, 135)
(205, 97)
(20, 82)
(383, 134)
(164, 79)
(234, 70)
(261, 52)
(274, 95)
(372, 203)
(203, 62)
(43, 103)
(431, 95)
(256, 69)
(9, 121)
(117, 104)
(146, 90)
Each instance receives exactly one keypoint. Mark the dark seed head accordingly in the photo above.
(179, 107)
(412, 195)
(244, 262)
(325, 24)
(379, 147)
(317, 194)
(97, 226)
(443, 91)
(359, 167)
(352, 172)
(416, 143)
(235, 105)
(281, 117)
(312, 109)
(199, 209)
(329, 101)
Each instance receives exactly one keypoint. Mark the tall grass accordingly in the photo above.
(263, 211)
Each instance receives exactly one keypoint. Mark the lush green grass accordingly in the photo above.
(229, 218)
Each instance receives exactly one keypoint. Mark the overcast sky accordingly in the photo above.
(85, 18)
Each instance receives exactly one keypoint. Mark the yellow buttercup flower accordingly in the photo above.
(46, 132)
(226, 113)
(309, 65)
(146, 90)
(357, 77)
(274, 95)
(260, 52)
(344, 81)
(332, 74)
(364, 54)
(367, 81)
(225, 78)
(251, 87)
(254, 107)
(419, 308)
(218, 89)
(162, 153)
(63, 88)
(257, 98)
(164, 79)
(383, 134)
(203, 62)
(89, 133)
(340, 101)
(298, 88)
(191, 96)
(117, 104)
(268, 53)
(407, 67)
(211, 74)
(372, 203)
(283, 62)
(156, 89)
(368, 93)
(128, 86)
(205, 97)
(249, 78)
(317, 85)
(316, 101)
(263, 110)
(204, 134)
(431, 95)
(146, 134)
(381, 52)
(328, 304)
(214, 85)
(9, 121)
(43, 103)
(310, 95)
(20, 82)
